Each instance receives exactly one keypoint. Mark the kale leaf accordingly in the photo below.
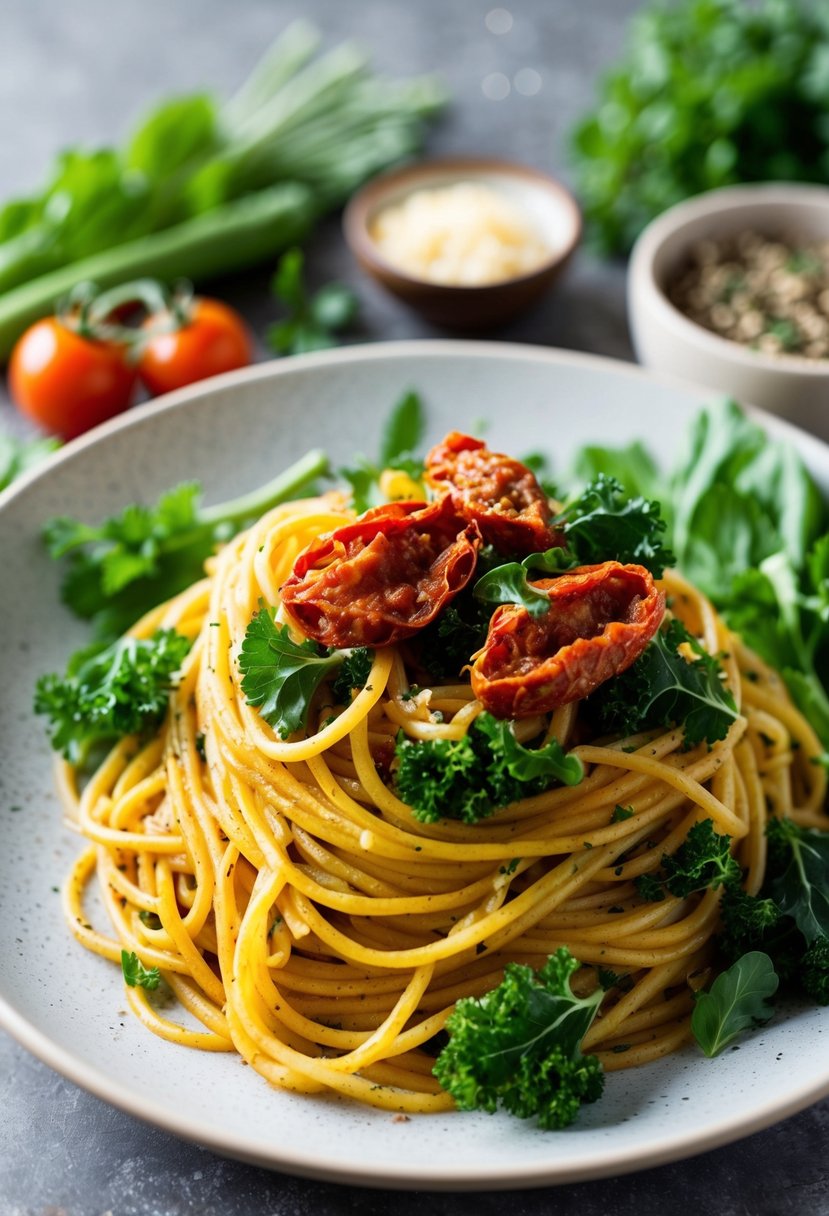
(110, 691)
(702, 861)
(603, 524)
(519, 1046)
(663, 687)
(471, 777)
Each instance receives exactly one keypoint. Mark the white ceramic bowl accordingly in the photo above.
(793, 386)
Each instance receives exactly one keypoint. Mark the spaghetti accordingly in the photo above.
(304, 919)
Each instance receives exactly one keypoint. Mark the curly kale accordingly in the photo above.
(110, 691)
(701, 862)
(519, 1046)
(789, 919)
(471, 777)
(663, 688)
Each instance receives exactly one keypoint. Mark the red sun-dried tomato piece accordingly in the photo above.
(383, 577)
(599, 621)
(500, 494)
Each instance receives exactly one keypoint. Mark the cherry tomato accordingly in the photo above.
(383, 577)
(599, 621)
(67, 383)
(214, 339)
(500, 494)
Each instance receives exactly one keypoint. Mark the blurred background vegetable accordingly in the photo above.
(19, 455)
(202, 188)
(314, 319)
(708, 93)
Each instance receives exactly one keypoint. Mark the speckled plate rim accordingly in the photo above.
(673, 1145)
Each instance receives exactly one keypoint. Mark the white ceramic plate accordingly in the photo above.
(67, 1006)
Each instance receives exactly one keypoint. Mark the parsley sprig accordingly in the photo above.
(123, 567)
(280, 676)
(136, 975)
(110, 691)
(314, 320)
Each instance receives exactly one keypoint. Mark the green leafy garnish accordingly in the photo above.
(401, 437)
(801, 889)
(519, 1046)
(130, 563)
(707, 93)
(110, 691)
(313, 321)
(749, 527)
(509, 583)
(603, 524)
(788, 919)
(353, 674)
(471, 777)
(663, 687)
(19, 455)
(737, 1001)
(136, 975)
(280, 677)
(703, 861)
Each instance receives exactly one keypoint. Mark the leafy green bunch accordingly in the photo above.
(707, 93)
(519, 1046)
(750, 528)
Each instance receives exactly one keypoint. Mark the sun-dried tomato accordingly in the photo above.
(383, 577)
(500, 494)
(599, 621)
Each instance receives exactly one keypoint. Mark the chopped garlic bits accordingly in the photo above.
(466, 235)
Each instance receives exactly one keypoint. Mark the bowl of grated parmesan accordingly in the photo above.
(469, 244)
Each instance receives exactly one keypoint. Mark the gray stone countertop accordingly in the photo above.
(81, 73)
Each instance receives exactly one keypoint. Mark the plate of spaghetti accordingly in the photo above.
(416, 821)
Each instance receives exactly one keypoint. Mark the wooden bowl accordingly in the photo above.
(546, 202)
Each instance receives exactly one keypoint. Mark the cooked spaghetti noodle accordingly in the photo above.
(306, 920)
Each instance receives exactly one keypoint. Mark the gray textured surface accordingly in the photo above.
(82, 72)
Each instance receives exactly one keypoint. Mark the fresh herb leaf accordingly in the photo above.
(136, 975)
(632, 466)
(543, 764)
(121, 568)
(737, 1001)
(314, 320)
(519, 1046)
(703, 861)
(402, 435)
(620, 813)
(110, 691)
(353, 674)
(509, 583)
(403, 432)
(664, 687)
(447, 645)
(702, 96)
(800, 858)
(19, 455)
(280, 677)
(471, 777)
(604, 524)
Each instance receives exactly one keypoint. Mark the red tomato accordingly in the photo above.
(599, 621)
(383, 577)
(68, 383)
(500, 494)
(214, 339)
